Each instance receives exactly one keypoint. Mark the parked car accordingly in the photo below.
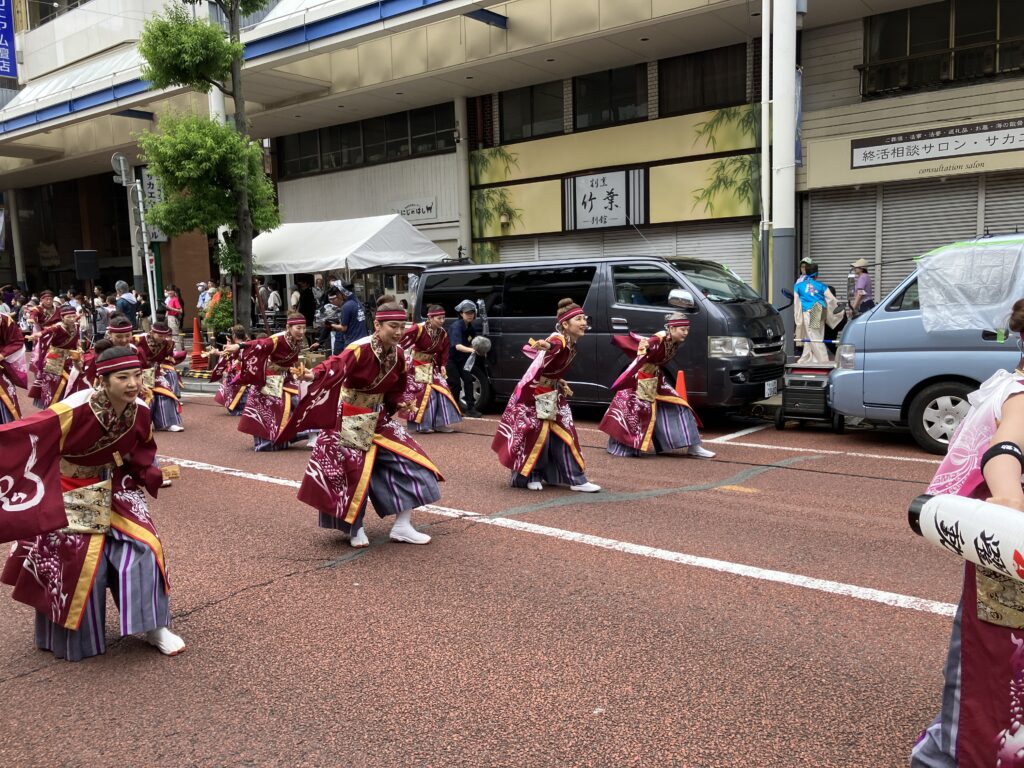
(888, 368)
(734, 355)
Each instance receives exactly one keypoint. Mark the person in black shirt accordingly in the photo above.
(460, 336)
(307, 301)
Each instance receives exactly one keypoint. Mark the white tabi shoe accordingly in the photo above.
(586, 488)
(168, 643)
(445, 430)
(700, 452)
(175, 428)
(535, 485)
(402, 530)
(359, 540)
(165, 484)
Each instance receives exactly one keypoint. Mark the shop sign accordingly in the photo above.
(600, 200)
(419, 209)
(8, 64)
(938, 143)
(153, 195)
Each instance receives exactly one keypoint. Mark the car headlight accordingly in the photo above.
(728, 346)
(846, 357)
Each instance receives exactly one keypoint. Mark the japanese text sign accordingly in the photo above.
(600, 200)
(152, 195)
(8, 64)
(938, 143)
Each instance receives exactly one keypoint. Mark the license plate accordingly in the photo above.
(771, 388)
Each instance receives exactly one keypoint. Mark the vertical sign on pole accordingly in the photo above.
(8, 62)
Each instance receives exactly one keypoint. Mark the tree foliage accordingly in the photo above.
(181, 50)
(198, 164)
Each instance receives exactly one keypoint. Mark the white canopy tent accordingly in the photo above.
(354, 244)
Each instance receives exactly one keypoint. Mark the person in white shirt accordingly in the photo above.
(274, 298)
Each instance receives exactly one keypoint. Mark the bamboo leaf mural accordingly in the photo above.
(488, 206)
(734, 180)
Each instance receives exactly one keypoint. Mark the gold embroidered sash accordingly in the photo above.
(88, 509)
(1000, 599)
(274, 386)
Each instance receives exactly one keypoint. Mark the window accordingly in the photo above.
(532, 111)
(716, 282)
(450, 288)
(432, 129)
(374, 140)
(909, 299)
(642, 286)
(700, 81)
(536, 292)
(301, 153)
(954, 40)
(610, 97)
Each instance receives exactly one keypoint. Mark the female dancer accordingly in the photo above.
(434, 407)
(647, 412)
(979, 721)
(231, 394)
(156, 350)
(538, 413)
(43, 315)
(266, 368)
(119, 331)
(363, 451)
(13, 372)
(53, 379)
(103, 456)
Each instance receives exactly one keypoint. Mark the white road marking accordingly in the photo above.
(722, 566)
(741, 433)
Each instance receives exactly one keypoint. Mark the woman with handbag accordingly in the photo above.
(268, 369)
(363, 452)
(434, 407)
(91, 457)
(156, 350)
(536, 437)
(646, 412)
(57, 377)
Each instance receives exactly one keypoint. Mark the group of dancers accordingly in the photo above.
(89, 455)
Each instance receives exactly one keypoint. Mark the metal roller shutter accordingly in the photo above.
(920, 215)
(1004, 203)
(646, 242)
(841, 229)
(727, 242)
(570, 246)
(518, 250)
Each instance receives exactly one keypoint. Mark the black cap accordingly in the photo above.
(914, 512)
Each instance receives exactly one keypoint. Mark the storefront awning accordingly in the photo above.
(320, 246)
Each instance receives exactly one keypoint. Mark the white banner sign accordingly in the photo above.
(153, 196)
(600, 200)
(938, 143)
(420, 209)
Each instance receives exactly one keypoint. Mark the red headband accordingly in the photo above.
(160, 330)
(384, 316)
(296, 321)
(115, 364)
(679, 322)
(435, 313)
(66, 309)
(569, 314)
(44, 294)
(126, 328)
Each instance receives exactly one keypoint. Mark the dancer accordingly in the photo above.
(646, 411)
(231, 394)
(160, 377)
(536, 437)
(13, 371)
(43, 315)
(814, 307)
(363, 451)
(57, 376)
(99, 452)
(267, 369)
(434, 406)
(979, 720)
(119, 331)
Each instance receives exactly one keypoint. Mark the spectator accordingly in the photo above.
(98, 298)
(353, 317)
(460, 335)
(307, 301)
(318, 289)
(863, 297)
(175, 312)
(273, 298)
(333, 334)
(126, 302)
(144, 312)
(264, 294)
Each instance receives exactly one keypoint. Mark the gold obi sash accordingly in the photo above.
(423, 367)
(149, 377)
(358, 422)
(87, 508)
(647, 382)
(546, 403)
(1000, 599)
(55, 360)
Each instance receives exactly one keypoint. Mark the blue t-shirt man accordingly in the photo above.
(353, 318)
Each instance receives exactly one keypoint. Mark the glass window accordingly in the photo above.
(351, 145)
(716, 282)
(374, 140)
(610, 97)
(642, 286)
(309, 151)
(450, 288)
(397, 128)
(330, 147)
(515, 115)
(975, 26)
(909, 299)
(536, 292)
(700, 81)
(444, 121)
(422, 129)
(929, 28)
(546, 101)
(887, 36)
(288, 146)
(532, 111)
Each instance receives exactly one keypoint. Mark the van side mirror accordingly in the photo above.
(682, 298)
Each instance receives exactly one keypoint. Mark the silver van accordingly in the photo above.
(888, 368)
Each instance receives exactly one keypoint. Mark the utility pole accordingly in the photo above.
(142, 257)
(783, 193)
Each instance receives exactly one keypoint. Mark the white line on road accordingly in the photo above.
(741, 433)
(722, 566)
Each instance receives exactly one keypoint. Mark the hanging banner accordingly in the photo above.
(8, 63)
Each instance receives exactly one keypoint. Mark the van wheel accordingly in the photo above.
(780, 418)
(838, 423)
(483, 392)
(935, 413)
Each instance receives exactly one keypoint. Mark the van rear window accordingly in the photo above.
(449, 288)
(536, 292)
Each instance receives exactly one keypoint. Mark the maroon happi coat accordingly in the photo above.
(42, 319)
(158, 354)
(226, 371)
(337, 478)
(52, 387)
(630, 418)
(265, 415)
(54, 572)
(13, 371)
(420, 341)
(521, 434)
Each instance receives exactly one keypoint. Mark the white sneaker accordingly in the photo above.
(359, 539)
(310, 444)
(446, 430)
(168, 643)
(535, 485)
(175, 428)
(402, 530)
(700, 452)
(165, 484)
(586, 488)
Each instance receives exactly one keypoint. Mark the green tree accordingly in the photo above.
(211, 174)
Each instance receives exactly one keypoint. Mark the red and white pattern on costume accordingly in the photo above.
(44, 558)
(266, 412)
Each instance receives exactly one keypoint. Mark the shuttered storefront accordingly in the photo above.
(839, 228)
(728, 243)
(1004, 203)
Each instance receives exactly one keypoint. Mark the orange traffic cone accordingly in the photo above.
(199, 363)
(681, 385)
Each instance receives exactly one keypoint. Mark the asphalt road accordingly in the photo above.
(769, 607)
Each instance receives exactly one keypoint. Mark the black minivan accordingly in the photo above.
(734, 354)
